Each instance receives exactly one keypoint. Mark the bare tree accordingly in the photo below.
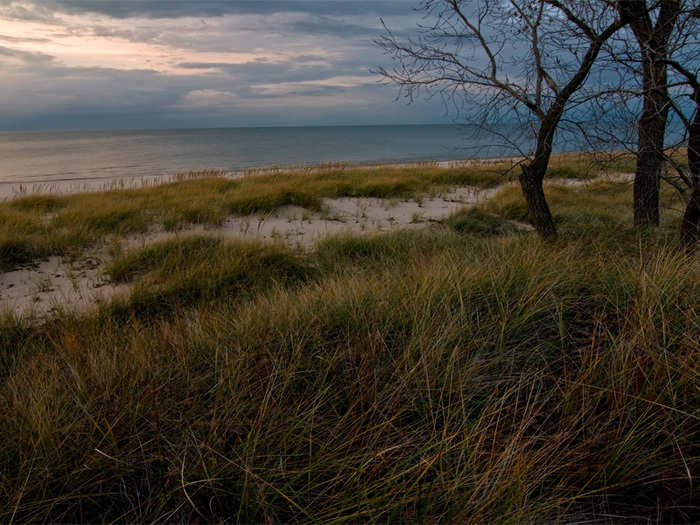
(654, 116)
(684, 84)
(654, 83)
(652, 23)
(517, 59)
(690, 226)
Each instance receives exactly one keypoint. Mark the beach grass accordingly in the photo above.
(468, 372)
(179, 273)
(36, 226)
(32, 227)
(477, 221)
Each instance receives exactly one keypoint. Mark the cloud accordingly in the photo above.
(12, 56)
(325, 25)
(311, 87)
(209, 99)
(22, 39)
(130, 63)
(74, 43)
(27, 11)
(213, 8)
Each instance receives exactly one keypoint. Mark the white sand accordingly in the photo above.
(56, 283)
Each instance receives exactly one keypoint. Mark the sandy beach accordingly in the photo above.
(15, 189)
(68, 283)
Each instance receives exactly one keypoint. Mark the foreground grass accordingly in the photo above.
(513, 383)
(466, 374)
(180, 273)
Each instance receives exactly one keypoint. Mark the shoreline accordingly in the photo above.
(10, 190)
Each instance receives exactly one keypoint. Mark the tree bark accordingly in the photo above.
(690, 227)
(651, 134)
(531, 178)
(532, 174)
(653, 42)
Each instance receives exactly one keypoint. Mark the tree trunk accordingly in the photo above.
(652, 130)
(646, 189)
(690, 227)
(532, 174)
(531, 178)
(653, 43)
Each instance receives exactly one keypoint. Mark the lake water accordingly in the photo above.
(65, 156)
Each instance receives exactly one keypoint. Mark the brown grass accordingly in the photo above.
(463, 374)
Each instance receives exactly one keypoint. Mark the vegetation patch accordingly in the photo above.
(39, 203)
(35, 222)
(476, 221)
(479, 385)
(454, 373)
(181, 272)
(54, 225)
(387, 248)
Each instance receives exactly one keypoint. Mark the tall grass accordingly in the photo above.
(511, 381)
(184, 272)
(461, 374)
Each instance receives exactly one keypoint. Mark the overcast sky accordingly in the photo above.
(77, 64)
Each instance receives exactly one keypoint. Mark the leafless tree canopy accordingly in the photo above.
(650, 106)
(614, 71)
(499, 61)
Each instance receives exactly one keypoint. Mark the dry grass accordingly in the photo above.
(513, 382)
(37, 226)
(463, 374)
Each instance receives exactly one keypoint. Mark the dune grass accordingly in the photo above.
(599, 205)
(476, 221)
(465, 373)
(513, 381)
(179, 273)
(37, 226)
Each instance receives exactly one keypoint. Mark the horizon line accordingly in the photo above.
(198, 128)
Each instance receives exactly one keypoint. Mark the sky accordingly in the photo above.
(101, 64)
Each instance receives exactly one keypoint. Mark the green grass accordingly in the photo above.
(476, 221)
(459, 374)
(598, 204)
(180, 273)
(33, 227)
(374, 251)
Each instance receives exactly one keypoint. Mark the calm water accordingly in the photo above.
(40, 157)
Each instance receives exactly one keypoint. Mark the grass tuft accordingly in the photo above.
(182, 272)
(476, 221)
